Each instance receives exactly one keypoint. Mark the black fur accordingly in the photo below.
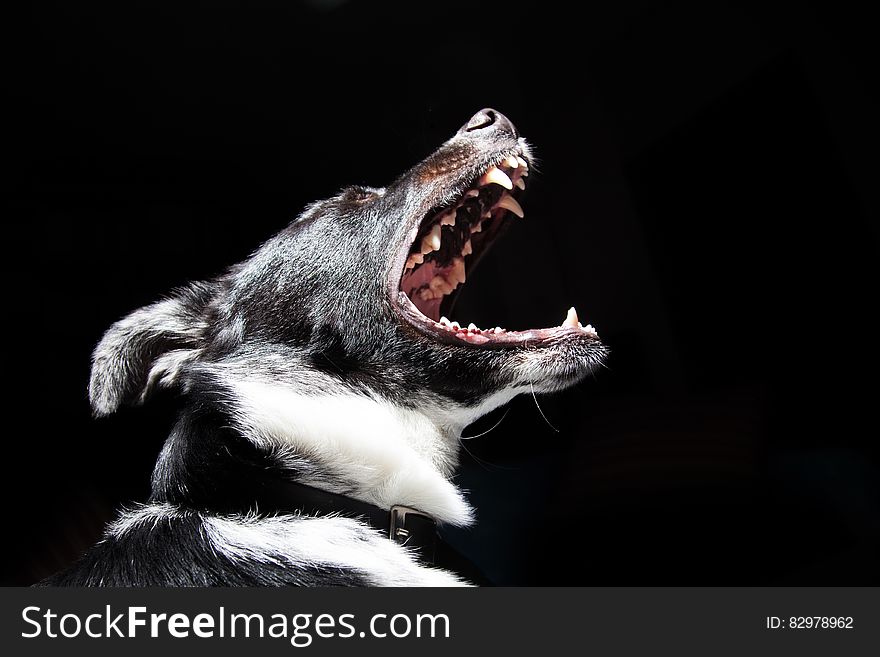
(313, 309)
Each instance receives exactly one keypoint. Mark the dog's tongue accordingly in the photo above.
(430, 308)
(418, 278)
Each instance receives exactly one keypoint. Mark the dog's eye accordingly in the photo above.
(360, 195)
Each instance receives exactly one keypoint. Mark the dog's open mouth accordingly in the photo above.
(448, 244)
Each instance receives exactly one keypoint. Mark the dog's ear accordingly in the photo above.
(147, 349)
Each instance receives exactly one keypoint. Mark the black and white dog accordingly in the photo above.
(323, 390)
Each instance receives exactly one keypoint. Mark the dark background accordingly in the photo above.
(706, 197)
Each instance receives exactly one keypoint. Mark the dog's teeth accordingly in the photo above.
(520, 183)
(441, 285)
(455, 326)
(444, 321)
(435, 236)
(498, 329)
(457, 273)
(448, 219)
(523, 164)
(472, 328)
(509, 203)
(477, 227)
(512, 162)
(467, 249)
(431, 241)
(414, 259)
(571, 320)
(497, 176)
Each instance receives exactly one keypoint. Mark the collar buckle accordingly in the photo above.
(399, 515)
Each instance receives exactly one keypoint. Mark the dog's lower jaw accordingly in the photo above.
(365, 447)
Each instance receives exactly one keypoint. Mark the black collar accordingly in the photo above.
(401, 524)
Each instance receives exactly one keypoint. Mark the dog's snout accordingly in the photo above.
(488, 121)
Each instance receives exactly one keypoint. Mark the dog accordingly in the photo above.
(323, 390)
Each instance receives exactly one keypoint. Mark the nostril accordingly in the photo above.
(492, 122)
(480, 120)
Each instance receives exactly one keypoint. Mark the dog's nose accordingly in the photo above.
(489, 120)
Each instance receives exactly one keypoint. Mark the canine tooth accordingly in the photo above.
(467, 249)
(520, 183)
(509, 203)
(523, 164)
(497, 176)
(571, 320)
(431, 241)
(512, 162)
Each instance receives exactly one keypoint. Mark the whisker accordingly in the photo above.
(539, 408)
(492, 428)
(483, 464)
(486, 465)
